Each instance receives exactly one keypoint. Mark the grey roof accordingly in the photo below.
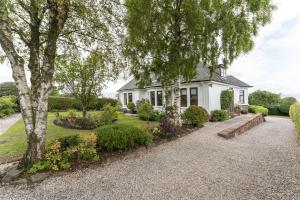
(203, 75)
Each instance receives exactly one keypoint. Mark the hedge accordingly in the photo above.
(285, 104)
(8, 89)
(264, 98)
(226, 99)
(60, 103)
(295, 116)
(258, 109)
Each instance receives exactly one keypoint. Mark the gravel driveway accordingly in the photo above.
(8, 122)
(260, 164)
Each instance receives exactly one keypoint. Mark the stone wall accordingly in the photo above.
(242, 127)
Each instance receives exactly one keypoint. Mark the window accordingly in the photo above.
(159, 97)
(194, 96)
(125, 99)
(129, 97)
(152, 98)
(168, 97)
(242, 97)
(223, 72)
(183, 97)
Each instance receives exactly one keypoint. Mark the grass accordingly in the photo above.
(13, 141)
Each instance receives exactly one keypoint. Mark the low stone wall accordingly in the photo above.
(242, 127)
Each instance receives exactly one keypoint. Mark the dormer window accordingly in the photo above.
(223, 72)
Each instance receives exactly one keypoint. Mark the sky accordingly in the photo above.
(273, 64)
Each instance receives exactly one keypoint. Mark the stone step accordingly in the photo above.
(242, 127)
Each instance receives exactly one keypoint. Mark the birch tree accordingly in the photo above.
(168, 38)
(32, 33)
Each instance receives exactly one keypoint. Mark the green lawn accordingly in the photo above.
(13, 141)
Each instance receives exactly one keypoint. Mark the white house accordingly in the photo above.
(202, 90)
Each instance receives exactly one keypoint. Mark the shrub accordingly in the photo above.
(8, 105)
(131, 106)
(8, 89)
(295, 116)
(61, 152)
(109, 115)
(258, 109)
(285, 104)
(145, 110)
(264, 98)
(219, 115)
(195, 115)
(226, 99)
(244, 112)
(237, 109)
(273, 110)
(69, 141)
(121, 137)
(75, 122)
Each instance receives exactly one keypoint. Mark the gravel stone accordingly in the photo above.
(262, 163)
(39, 176)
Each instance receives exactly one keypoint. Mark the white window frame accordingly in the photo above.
(243, 95)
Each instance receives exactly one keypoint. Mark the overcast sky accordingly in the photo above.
(273, 64)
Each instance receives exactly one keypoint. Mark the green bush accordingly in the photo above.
(61, 103)
(295, 116)
(226, 99)
(219, 115)
(131, 106)
(258, 109)
(285, 104)
(237, 109)
(8, 105)
(64, 151)
(264, 98)
(109, 115)
(8, 89)
(69, 141)
(195, 115)
(273, 110)
(121, 137)
(145, 110)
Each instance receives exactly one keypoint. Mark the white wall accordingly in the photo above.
(208, 95)
(136, 95)
(202, 95)
(215, 90)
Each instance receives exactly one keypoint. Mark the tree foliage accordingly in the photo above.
(8, 88)
(264, 98)
(84, 78)
(285, 104)
(33, 32)
(168, 38)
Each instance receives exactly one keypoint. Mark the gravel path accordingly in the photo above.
(260, 164)
(8, 122)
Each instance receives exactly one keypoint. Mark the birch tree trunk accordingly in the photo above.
(177, 102)
(34, 103)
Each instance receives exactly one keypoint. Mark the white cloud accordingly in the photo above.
(274, 62)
